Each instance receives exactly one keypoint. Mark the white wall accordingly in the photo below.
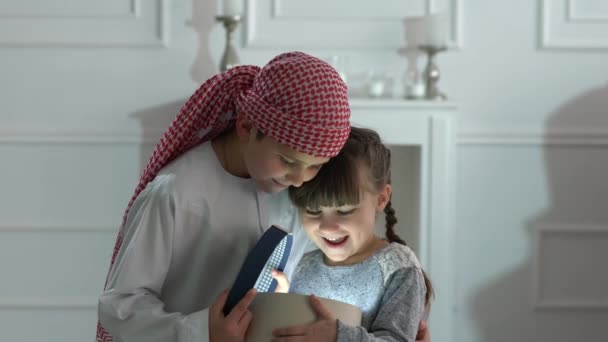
(85, 91)
(532, 155)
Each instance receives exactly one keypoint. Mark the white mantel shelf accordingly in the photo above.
(404, 122)
(399, 103)
(428, 126)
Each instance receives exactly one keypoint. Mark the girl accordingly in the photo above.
(380, 276)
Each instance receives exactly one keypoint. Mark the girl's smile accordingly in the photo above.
(335, 242)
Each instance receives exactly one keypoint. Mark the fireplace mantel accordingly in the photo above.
(428, 127)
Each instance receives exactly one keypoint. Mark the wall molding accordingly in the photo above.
(565, 136)
(133, 12)
(49, 303)
(146, 25)
(573, 16)
(77, 136)
(253, 38)
(45, 228)
(555, 137)
(575, 25)
(542, 230)
(430, 6)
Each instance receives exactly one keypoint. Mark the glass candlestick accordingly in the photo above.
(431, 72)
(229, 58)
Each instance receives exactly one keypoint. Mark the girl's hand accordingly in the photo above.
(323, 330)
(282, 282)
(423, 333)
(233, 327)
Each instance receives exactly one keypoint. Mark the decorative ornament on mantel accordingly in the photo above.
(431, 72)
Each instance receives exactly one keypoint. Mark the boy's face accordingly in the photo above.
(274, 166)
(346, 234)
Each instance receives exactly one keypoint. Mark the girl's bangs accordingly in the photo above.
(335, 185)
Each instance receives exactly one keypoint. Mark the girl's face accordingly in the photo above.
(346, 234)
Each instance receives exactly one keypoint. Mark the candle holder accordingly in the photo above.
(229, 58)
(431, 72)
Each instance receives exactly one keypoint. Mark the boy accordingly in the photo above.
(211, 189)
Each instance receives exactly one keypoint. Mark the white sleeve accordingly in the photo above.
(130, 308)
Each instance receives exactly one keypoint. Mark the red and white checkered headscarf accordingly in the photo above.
(297, 99)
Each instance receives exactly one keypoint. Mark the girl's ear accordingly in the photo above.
(244, 128)
(384, 197)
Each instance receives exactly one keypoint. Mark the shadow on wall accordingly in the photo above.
(576, 172)
(155, 120)
(203, 22)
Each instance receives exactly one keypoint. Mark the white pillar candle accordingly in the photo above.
(375, 88)
(436, 29)
(232, 7)
(417, 90)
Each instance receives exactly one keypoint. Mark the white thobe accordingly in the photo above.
(186, 236)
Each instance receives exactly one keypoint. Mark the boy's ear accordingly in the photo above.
(383, 198)
(244, 128)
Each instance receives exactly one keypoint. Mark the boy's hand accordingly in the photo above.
(233, 327)
(282, 282)
(323, 330)
(423, 333)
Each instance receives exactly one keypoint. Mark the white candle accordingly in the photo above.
(418, 90)
(415, 90)
(376, 88)
(436, 29)
(232, 7)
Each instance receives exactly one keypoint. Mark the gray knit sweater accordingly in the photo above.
(388, 287)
